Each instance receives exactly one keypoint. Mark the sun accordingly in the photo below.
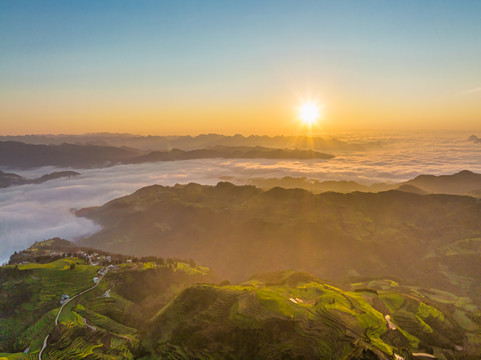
(309, 112)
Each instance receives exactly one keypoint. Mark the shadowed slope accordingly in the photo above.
(240, 230)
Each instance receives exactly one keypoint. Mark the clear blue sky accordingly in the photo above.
(80, 66)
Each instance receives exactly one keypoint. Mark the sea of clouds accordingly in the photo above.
(29, 213)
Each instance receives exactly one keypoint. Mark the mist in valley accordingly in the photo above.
(34, 212)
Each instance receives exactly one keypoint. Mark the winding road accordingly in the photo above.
(61, 308)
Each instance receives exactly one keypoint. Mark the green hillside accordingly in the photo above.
(291, 315)
(241, 230)
(103, 323)
(154, 308)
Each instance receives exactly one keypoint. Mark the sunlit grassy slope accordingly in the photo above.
(32, 295)
(155, 312)
(291, 315)
(103, 323)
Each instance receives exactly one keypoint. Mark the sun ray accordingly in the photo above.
(309, 112)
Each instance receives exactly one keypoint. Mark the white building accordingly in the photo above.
(64, 299)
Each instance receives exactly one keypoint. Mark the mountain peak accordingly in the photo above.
(466, 173)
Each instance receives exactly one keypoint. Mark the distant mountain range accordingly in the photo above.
(462, 183)
(230, 152)
(474, 139)
(21, 156)
(18, 155)
(9, 179)
(163, 143)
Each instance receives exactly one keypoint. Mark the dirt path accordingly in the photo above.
(424, 355)
(43, 347)
(61, 308)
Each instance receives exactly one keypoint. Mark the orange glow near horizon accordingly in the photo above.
(281, 113)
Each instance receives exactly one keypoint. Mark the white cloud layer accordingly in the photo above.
(35, 212)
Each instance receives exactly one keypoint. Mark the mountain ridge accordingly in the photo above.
(22, 156)
(334, 236)
(9, 179)
(187, 142)
(464, 182)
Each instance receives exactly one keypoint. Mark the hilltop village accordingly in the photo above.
(43, 252)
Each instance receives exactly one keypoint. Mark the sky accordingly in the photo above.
(190, 67)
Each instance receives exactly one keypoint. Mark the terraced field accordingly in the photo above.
(296, 316)
(146, 311)
(92, 325)
(31, 320)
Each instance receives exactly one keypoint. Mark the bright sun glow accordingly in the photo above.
(309, 113)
